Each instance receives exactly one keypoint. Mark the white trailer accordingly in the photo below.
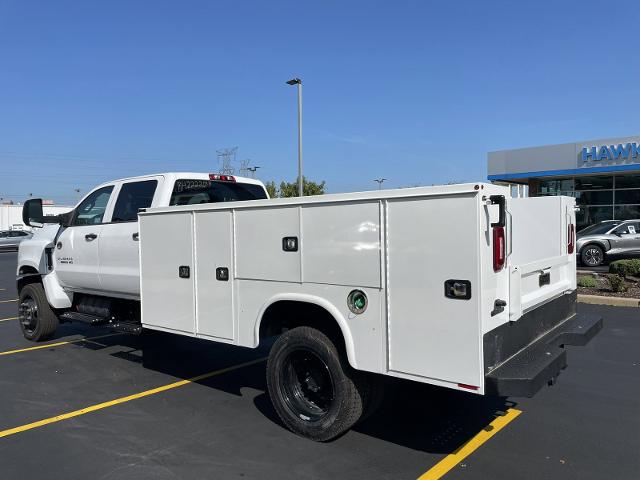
(458, 286)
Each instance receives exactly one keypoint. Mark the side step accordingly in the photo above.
(127, 327)
(124, 327)
(84, 318)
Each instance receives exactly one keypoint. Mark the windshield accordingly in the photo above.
(598, 228)
(193, 192)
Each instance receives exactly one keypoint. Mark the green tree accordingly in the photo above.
(272, 190)
(290, 189)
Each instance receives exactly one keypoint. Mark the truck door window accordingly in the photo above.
(91, 209)
(132, 197)
(193, 192)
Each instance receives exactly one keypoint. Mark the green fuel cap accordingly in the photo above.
(357, 301)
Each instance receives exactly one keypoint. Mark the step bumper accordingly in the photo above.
(541, 362)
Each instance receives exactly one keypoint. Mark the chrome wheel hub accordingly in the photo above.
(28, 314)
(593, 256)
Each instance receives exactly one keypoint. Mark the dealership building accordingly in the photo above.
(603, 175)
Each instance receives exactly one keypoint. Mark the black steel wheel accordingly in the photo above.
(314, 390)
(592, 256)
(307, 385)
(37, 320)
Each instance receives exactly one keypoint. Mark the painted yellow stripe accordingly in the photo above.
(450, 461)
(57, 344)
(9, 301)
(7, 319)
(118, 401)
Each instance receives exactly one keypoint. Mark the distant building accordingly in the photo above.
(603, 175)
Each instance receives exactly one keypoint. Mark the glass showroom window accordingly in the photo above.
(595, 197)
(627, 197)
(556, 186)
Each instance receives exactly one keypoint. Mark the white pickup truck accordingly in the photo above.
(459, 286)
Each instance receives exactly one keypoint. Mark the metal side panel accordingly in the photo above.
(431, 241)
(214, 258)
(341, 244)
(166, 246)
(259, 252)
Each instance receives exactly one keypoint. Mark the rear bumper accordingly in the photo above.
(539, 362)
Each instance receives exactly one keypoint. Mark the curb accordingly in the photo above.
(611, 301)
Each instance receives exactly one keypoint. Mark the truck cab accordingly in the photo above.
(94, 251)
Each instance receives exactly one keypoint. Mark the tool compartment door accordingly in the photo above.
(167, 271)
(430, 241)
(214, 274)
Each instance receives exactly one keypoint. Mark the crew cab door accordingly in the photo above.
(76, 252)
(119, 264)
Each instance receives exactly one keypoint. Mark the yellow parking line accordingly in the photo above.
(7, 319)
(8, 301)
(117, 401)
(57, 344)
(450, 461)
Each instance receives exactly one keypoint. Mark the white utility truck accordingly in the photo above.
(459, 286)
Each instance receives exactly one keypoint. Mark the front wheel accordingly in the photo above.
(37, 320)
(592, 256)
(313, 389)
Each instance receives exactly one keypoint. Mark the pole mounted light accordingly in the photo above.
(380, 181)
(298, 82)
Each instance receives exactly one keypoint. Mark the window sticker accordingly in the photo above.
(184, 185)
(632, 229)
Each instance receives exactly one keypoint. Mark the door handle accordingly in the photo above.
(90, 237)
(135, 236)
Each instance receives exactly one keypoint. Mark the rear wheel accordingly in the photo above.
(37, 320)
(313, 389)
(592, 256)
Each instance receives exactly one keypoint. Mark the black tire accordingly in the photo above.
(331, 397)
(37, 319)
(377, 389)
(592, 255)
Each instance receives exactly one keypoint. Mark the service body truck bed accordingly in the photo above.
(438, 310)
(459, 286)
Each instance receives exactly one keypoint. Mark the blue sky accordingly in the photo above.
(415, 91)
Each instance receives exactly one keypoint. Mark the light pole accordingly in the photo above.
(298, 82)
(253, 171)
(380, 181)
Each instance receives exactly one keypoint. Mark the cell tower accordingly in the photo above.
(226, 159)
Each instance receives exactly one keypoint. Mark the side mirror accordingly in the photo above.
(32, 212)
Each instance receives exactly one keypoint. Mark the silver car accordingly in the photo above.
(611, 238)
(10, 239)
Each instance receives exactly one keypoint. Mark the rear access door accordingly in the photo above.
(431, 243)
(541, 261)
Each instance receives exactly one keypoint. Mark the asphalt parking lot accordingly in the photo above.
(90, 409)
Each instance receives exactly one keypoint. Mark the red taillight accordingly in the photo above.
(571, 243)
(221, 178)
(499, 250)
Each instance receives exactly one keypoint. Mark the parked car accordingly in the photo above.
(611, 238)
(10, 239)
